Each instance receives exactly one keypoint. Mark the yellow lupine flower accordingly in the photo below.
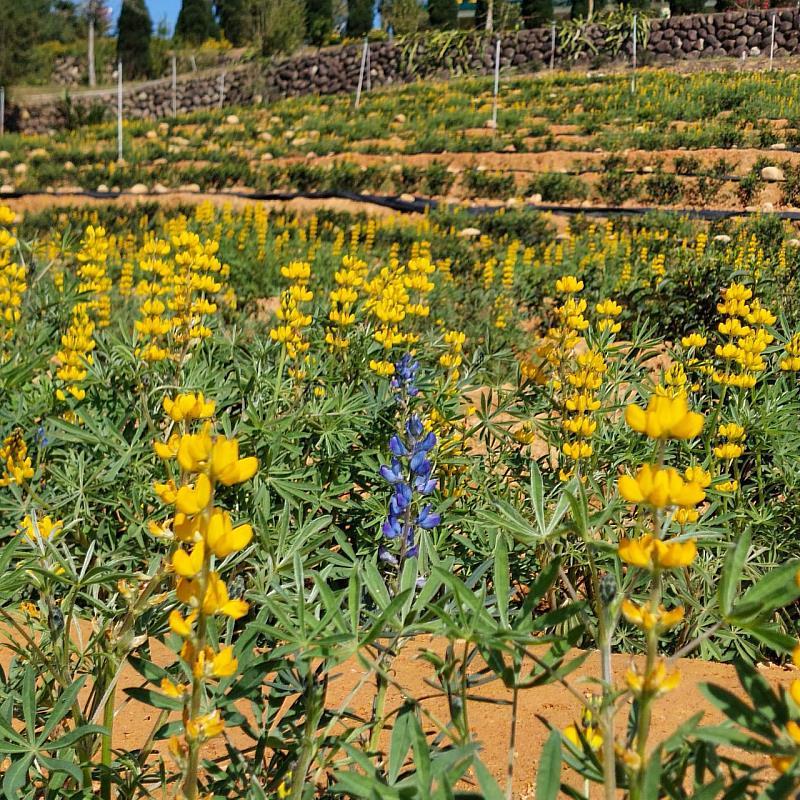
(659, 487)
(222, 538)
(569, 284)
(650, 553)
(204, 727)
(214, 601)
(657, 682)
(189, 565)
(192, 499)
(188, 406)
(643, 617)
(40, 528)
(226, 466)
(665, 418)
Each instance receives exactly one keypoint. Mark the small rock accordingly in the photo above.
(232, 119)
(722, 238)
(4, 155)
(793, 243)
(401, 118)
(265, 136)
(68, 166)
(102, 188)
(772, 174)
(179, 141)
(20, 169)
(535, 199)
(6, 188)
(509, 148)
(490, 123)
(159, 188)
(778, 146)
(469, 233)
(767, 207)
(138, 188)
(408, 198)
(311, 155)
(151, 134)
(648, 170)
(267, 156)
(189, 187)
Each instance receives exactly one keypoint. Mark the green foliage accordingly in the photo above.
(234, 21)
(536, 13)
(134, 28)
(359, 17)
(281, 25)
(195, 23)
(443, 13)
(319, 21)
(405, 16)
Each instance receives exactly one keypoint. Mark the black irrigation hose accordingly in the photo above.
(421, 204)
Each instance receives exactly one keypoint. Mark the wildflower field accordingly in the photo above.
(258, 463)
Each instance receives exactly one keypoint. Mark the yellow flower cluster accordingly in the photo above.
(791, 361)
(343, 298)
(727, 451)
(293, 320)
(153, 292)
(745, 329)
(94, 280)
(13, 283)
(205, 533)
(16, 462)
(608, 311)
(395, 293)
(75, 355)
(37, 529)
(453, 357)
(784, 762)
(579, 406)
(197, 277)
(658, 487)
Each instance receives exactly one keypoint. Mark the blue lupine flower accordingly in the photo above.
(392, 528)
(392, 474)
(397, 447)
(414, 427)
(419, 464)
(428, 518)
(405, 373)
(425, 486)
(409, 472)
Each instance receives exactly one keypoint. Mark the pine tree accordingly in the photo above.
(195, 22)
(360, 14)
(537, 13)
(234, 20)
(319, 20)
(443, 13)
(133, 39)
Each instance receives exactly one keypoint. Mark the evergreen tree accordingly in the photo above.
(134, 28)
(360, 14)
(536, 13)
(443, 13)
(319, 20)
(234, 20)
(195, 22)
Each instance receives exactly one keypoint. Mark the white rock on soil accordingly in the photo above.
(138, 188)
(469, 233)
(722, 237)
(772, 174)
(232, 119)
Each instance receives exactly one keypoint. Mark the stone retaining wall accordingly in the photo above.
(733, 33)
